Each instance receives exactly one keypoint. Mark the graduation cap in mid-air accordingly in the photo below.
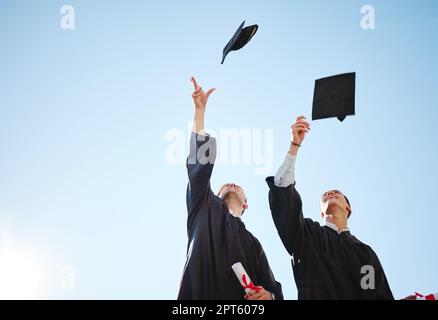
(241, 37)
(334, 97)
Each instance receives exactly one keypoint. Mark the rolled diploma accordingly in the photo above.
(240, 272)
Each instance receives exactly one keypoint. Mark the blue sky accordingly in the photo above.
(84, 182)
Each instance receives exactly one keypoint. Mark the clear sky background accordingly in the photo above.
(87, 197)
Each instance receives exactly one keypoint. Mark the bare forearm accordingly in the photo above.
(299, 131)
(293, 149)
(200, 100)
(198, 121)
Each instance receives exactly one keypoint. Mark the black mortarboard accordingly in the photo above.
(240, 39)
(334, 97)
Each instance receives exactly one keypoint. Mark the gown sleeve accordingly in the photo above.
(267, 277)
(286, 209)
(383, 291)
(200, 164)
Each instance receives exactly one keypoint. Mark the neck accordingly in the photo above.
(338, 218)
(235, 209)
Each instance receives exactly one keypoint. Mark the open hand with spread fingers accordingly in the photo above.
(200, 97)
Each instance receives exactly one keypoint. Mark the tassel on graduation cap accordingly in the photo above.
(240, 38)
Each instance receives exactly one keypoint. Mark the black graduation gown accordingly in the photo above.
(217, 240)
(326, 264)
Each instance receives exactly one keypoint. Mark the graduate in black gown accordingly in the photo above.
(217, 237)
(328, 261)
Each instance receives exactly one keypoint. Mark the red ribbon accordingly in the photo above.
(249, 285)
(429, 297)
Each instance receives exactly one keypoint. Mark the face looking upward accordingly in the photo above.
(233, 192)
(334, 201)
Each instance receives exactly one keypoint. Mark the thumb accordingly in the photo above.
(209, 92)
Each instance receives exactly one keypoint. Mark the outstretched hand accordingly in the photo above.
(300, 129)
(200, 97)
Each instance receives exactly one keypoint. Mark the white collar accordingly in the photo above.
(334, 227)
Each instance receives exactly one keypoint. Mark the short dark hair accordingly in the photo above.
(348, 202)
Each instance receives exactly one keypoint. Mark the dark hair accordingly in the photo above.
(348, 202)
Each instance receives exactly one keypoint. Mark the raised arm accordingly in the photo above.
(284, 200)
(200, 99)
(202, 154)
